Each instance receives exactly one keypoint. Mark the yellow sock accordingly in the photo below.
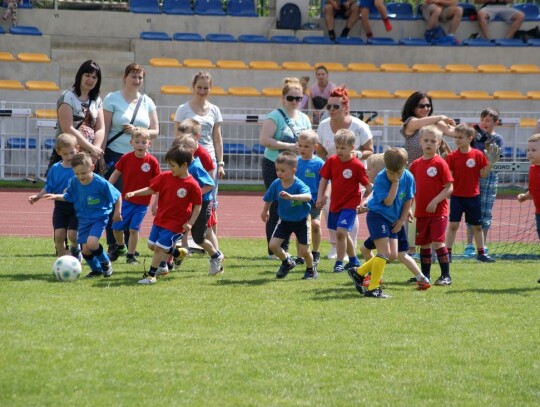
(365, 268)
(379, 263)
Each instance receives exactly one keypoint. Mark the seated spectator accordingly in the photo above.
(435, 11)
(347, 9)
(365, 7)
(498, 8)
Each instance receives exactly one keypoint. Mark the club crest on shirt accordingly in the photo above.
(145, 167)
(347, 173)
(181, 193)
(431, 171)
(470, 163)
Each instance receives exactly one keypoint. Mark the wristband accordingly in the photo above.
(221, 164)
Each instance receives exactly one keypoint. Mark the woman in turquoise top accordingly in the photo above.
(280, 132)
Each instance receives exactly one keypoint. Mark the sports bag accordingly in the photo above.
(290, 17)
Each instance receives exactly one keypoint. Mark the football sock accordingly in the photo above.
(92, 262)
(365, 268)
(369, 35)
(481, 251)
(152, 271)
(425, 262)
(354, 260)
(100, 254)
(163, 264)
(443, 256)
(215, 255)
(379, 263)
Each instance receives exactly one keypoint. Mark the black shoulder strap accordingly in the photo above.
(288, 121)
(131, 122)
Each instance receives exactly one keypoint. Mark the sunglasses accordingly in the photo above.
(333, 107)
(294, 98)
(424, 106)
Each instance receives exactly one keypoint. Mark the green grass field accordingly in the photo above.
(243, 338)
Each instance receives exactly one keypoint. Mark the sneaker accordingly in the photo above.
(443, 281)
(469, 251)
(111, 249)
(117, 252)
(132, 260)
(298, 260)
(339, 268)
(357, 279)
(285, 268)
(376, 293)
(351, 265)
(93, 274)
(147, 279)
(107, 269)
(216, 265)
(484, 258)
(162, 271)
(333, 254)
(273, 257)
(310, 275)
(182, 254)
(412, 280)
(367, 280)
(316, 258)
(423, 285)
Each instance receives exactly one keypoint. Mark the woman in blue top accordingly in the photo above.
(280, 132)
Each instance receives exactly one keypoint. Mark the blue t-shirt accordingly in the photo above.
(381, 186)
(201, 176)
(93, 201)
(283, 131)
(58, 178)
(291, 211)
(308, 172)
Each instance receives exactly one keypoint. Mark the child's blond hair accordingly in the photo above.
(395, 159)
(189, 126)
(431, 130)
(288, 158)
(308, 136)
(344, 137)
(186, 140)
(140, 132)
(534, 138)
(81, 159)
(465, 129)
(65, 140)
(375, 162)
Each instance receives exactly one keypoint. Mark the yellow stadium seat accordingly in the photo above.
(176, 90)
(443, 94)
(29, 57)
(45, 114)
(392, 121)
(376, 94)
(272, 91)
(353, 94)
(528, 122)
(332, 66)
(475, 94)
(243, 91)
(395, 68)
(488, 68)
(460, 68)
(42, 85)
(231, 64)
(218, 91)
(509, 94)
(524, 69)
(6, 57)
(534, 94)
(265, 65)
(297, 66)
(198, 63)
(403, 94)
(10, 84)
(165, 62)
(362, 67)
(427, 68)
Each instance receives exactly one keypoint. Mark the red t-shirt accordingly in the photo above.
(431, 176)
(206, 159)
(176, 199)
(345, 177)
(136, 174)
(465, 169)
(534, 186)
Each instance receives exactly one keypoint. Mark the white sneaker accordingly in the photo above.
(162, 271)
(216, 265)
(333, 253)
(148, 280)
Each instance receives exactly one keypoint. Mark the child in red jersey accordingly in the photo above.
(434, 186)
(533, 155)
(468, 165)
(179, 204)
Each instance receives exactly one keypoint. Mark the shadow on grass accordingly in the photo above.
(26, 277)
(512, 290)
(346, 292)
(28, 255)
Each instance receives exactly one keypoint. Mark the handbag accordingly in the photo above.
(109, 141)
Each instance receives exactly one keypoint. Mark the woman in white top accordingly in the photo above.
(340, 118)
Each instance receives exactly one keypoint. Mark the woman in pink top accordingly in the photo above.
(320, 92)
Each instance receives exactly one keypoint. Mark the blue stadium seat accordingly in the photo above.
(253, 38)
(510, 42)
(317, 40)
(218, 37)
(241, 8)
(285, 39)
(418, 42)
(20, 143)
(349, 41)
(508, 152)
(2, 30)
(381, 41)
(478, 42)
(209, 7)
(258, 148)
(155, 36)
(144, 6)
(48, 144)
(400, 11)
(531, 11)
(24, 30)
(534, 41)
(235, 148)
(187, 37)
(178, 7)
(521, 153)
(25, 4)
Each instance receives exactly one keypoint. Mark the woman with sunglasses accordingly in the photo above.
(340, 118)
(280, 132)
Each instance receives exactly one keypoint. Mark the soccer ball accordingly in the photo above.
(67, 268)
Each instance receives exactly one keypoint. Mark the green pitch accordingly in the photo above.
(243, 338)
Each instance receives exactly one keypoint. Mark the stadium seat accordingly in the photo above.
(231, 64)
(443, 94)
(188, 37)
(243, 91)
(7, 57)
(349, 41)
(403, 94)
(395, 68)
(165, 63)
(535, 42)
(219, 37)
(265, 65)
(376, 94)
(177, 7)
(20, 143)
(176, 90)
(460, 68)
(427, 68)
(392, 121)
(400, 11)
(475, 94)
(332, 66)
(362, 67)
(209, 7)
(49, 143)
(235, 148)
(381, 40)
(144, 6)
(524, 69)
(412, 41)
(45, 114)
(534, 94)
(531, 11)
(9, 84)
(321, 40)
(297, 66)
(285, 39)
(198, 63)
(528, 122)
(24, 30)
(509, 95)
(492, 68)
(272, 91)
(155, 36)
(478, 42)
(353, 94)
(25, 4)
(31, 57)
(241, 8)
(510, 42)
(258, 148)
(253, 38)
(42, 86)
(2, 31)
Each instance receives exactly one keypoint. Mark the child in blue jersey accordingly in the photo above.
(206, 182)
(94, 198)
(65, 221)
(293, 198)
(308, 169)
(388, 210)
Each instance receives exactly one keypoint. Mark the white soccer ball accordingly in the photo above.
(67, 268)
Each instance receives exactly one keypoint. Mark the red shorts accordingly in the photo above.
(430, 229)
(212, 219)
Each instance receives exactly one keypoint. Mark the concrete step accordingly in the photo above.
(95, 43)
(62, 55)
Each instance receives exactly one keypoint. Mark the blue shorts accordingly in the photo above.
(370, 4)
(284, 230)
(132, 216)
(163, 238)
(343, 219)
(401, 236)
(64, 216)
(93, 227)
(379, 227)
(471, 207)
(538, 225)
